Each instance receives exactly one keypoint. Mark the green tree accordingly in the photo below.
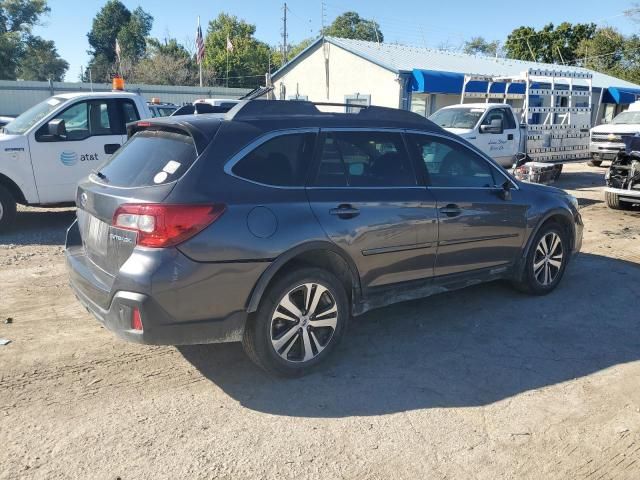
(480, 46)
(17, 19)
(167, 63)
(248, 61)
(611, 52)
(352, 25)
(116, 21)
(550, 44)
(41, 61)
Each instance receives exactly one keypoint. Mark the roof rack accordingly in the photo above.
(261, 108)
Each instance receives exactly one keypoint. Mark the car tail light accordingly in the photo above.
(136, 320)
(161, 225)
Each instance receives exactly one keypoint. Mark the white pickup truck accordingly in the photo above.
(492, 127)
(45, 151)
(607, 140)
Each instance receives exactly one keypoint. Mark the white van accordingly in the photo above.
(45, 151)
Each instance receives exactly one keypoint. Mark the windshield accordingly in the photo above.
(627, 118)
(32, 116)
(466, 118)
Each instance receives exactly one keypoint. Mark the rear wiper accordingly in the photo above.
(100, 175)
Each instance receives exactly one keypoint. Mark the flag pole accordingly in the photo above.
(227, 50)
(200, 62)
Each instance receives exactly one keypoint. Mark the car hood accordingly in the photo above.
(463, 132)
(612, 128)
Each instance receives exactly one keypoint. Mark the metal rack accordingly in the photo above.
(556, 132)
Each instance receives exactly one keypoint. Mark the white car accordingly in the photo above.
(607, 139)
(491, 127)
(45, 151)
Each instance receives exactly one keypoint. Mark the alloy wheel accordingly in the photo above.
(547, 261)
(304, 322)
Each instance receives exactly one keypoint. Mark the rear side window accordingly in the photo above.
(282, 161)
(150, 158)
(364, 159)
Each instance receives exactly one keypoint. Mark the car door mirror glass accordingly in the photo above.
(57, 128)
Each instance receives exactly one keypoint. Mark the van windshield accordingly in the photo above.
(627, 118)
(150, 157)
(466, 118)
(32, 116)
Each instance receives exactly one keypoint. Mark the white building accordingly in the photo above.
(421, 79)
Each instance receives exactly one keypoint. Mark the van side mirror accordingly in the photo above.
(57, 128)
(495, 127)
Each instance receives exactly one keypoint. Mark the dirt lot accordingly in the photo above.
(483, 383)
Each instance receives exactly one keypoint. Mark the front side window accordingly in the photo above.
(450, 164)
(282, 161)
(364, 159)
(500, 114)
(83, 120)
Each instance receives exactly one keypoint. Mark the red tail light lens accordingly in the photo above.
(161, 225)
(136, 320)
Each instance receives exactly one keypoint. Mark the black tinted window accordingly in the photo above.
(282, 161)
(130, 112)
(450, 164)
(364, 159)
(150, 158)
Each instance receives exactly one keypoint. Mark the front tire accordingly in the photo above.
(300, 320)
(546, 261)
(614, 202)
(7, 209)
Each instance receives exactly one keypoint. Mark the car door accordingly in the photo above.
(479, 225)
(94, 131)
(502, 147)
(365, 195)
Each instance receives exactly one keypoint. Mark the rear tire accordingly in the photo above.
(293, 331)
(594, 163)
(7, 209)
(546, 261)
(614, 202)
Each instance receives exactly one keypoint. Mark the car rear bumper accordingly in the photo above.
(180, 301)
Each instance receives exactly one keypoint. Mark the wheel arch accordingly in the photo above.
(13, 188)
(558, 215)
(318, 253)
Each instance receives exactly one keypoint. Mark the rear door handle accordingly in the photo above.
(345, 211)
(110, 148)
(510, 136)
(451, 210)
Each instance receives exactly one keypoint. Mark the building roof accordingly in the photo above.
(404, 58)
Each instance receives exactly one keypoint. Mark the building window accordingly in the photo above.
(356, 100)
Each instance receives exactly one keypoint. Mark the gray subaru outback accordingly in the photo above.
(276, 223)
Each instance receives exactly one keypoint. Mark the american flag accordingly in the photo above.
(199, 44)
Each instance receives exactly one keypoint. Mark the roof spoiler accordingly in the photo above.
(261, 108)
(199, 138)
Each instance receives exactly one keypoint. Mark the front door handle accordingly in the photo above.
(110, 148)
(345, 211)
(451, 210)
(510, 136)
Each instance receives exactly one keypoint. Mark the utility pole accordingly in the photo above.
(285, 47)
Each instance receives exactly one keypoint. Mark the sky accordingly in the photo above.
(413, 22)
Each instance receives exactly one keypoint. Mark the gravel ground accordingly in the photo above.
(484, 383)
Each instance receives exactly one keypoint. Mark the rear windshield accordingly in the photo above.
(149, 158)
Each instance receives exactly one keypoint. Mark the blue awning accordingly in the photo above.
(621, 95)
(432, 81)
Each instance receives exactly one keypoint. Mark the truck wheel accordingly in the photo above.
(300, 320)
(614, 202)
(546, 261)
(7, 208)
(594, 163)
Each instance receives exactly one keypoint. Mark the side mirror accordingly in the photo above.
(505, 190)
(57, 128)
(495, 127)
